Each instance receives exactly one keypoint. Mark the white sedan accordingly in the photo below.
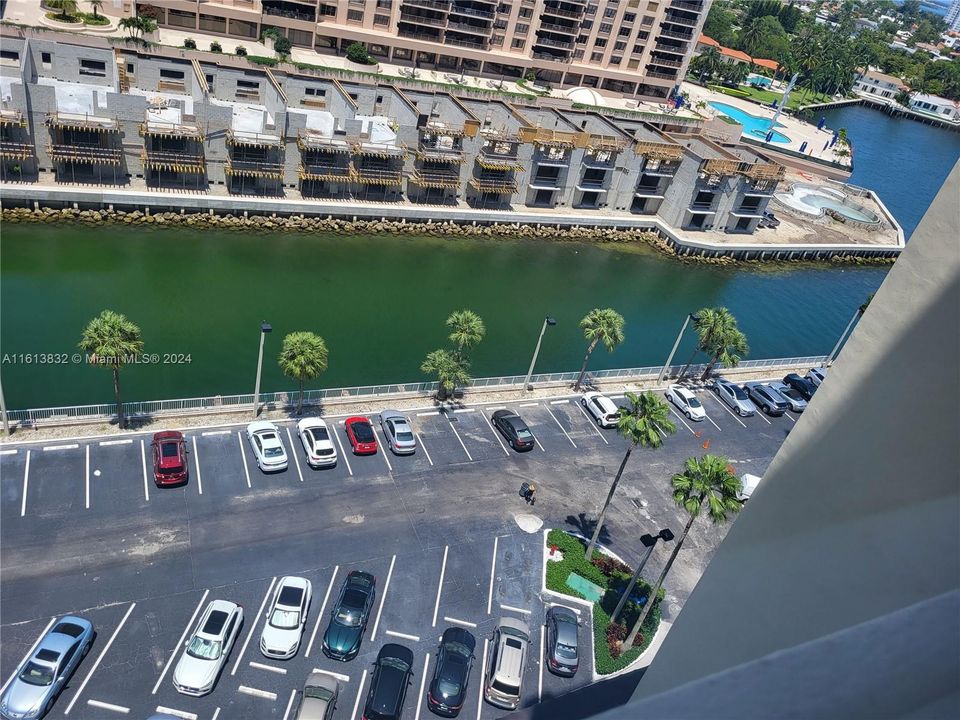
(265, 441)
(816, 375)
(208, 648)
(315, 437)
(286, 618)
(602, 408)
(686, 402)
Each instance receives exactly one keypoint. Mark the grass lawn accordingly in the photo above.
(768, 96)
(612, 576)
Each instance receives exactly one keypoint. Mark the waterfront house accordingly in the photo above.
(935, 105)
(497, 167)
(877, 84)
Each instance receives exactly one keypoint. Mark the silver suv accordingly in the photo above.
(504, 679)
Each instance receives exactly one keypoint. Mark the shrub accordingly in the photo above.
(262, 60)
(216, 47)
(610, 565)
(190, 44)
(241, 51)
(282, 46)
(357, 52)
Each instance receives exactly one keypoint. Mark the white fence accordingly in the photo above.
(282, 400)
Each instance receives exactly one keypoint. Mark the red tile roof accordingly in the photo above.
(705, 40)
(735, 54)
(769, 64)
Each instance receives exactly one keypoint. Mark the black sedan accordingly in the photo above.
(454, 661)
(514, 429)
(348, 619)
(801, 385)
(563, 655)
(388, 687)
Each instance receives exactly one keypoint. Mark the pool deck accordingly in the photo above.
(797, 130)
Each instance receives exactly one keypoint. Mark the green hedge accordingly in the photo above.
(730, 91)
(261, 60)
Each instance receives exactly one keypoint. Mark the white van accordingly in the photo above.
(750, 483)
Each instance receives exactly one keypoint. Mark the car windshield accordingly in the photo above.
(693, 402)
(524, 434)
(319, 693)
(203, 649)
(791, 393)
(567, 652)
(319, 434)
(506, 689)
(285, 619)
(448, 687)
(34, 674)
(404, 435)
(349, 611)
(738, 393)
(363, 432)
(273, 452)
(458, 648)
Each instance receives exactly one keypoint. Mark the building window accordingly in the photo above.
(605, 27)
(591, 9)
(379, 50)
(642, 35)
(596, 57)
(212, 23)
(619, 46)
(624, 31)
(385, 4)
(615, 60)
(522, 29)
(242, 28)
(355, 15)
(10, 56)
(209, 79)
(629, 17)
(329, 10)
(301, 38)
(526, 13)
(500, 24)
(610, 12)
(381, 20)
(638, 49)
(600, 42)
(590, 81)
(647, 20)
(46, 59)
(518, 43)
(578, 54)
(171, 74)
(180, 18)
(315, 92)
(633, 65)
(582, 40)
(402, 54)
(586, 24)
(94, 68)
(248, 84)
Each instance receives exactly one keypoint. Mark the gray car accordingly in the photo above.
(397, 433)
(563, 653)
(319, 697)
(733, 396)
(767, 399)
(44, 674)
(793, 397)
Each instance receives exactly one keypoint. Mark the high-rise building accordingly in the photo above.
(635, 48)
(953, 16)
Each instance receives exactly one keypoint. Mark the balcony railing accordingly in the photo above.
(292, 14)
(493, 186)
(435, 180)
(661, 75)
(551, 57)
(173, 161)
(546, 182)
(370, 176)
(432, 37)
(254, 168)
(473, 12)
(703, 207)
(422, 19)
(680, 20)
(553, 43)
(15, 150)
(559, 12)
(654, 60)
(676, 49)
(687, 5)
(465, 43)
(467, 27)
(432, 4)
(675, 34)
(93, 154)
(557, 28)
(434, 153)
(330, 173)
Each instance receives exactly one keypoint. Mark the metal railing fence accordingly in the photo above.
(281, 400)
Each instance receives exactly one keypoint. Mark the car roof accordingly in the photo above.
(317, 679)
(513, 623)
(356, 419)
(224, 606)
(168, 435)
(362, 576)
(680, 390)
(505, 413)
(460, 635)
(385, 414)
(603, 400)
(311, 422)
(561, 611)
(294, 581)
(400, 652)
(260, 426)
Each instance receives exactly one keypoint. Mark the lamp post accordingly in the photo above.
(3, 411)
(264, 329)
(546, 321)
(686, 321)
(649, 542)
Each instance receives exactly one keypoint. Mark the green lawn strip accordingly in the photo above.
(573, 549)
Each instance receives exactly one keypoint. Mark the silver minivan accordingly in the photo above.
(505, 674)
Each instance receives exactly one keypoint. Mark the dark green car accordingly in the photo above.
(348, 619)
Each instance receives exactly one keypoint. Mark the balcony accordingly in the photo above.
(421, 19)
(663, 62)
(294, 14)
(377, 176)
(702, 208)
(661, 154)
(661, 75)
(463, 42)
(94, 154)
(483, 30)
(687, 5)
(558, 12)
(15, 150)
(437, 153)
(472, 12)
(499, 187)
(254, 168)
(675, 34)
(252, 139)
(675, 49)
(403, 32)
(681, 20)
(430, 179)
(158, 128)
(562, 29)
(550, 57)
(324, 172)
(432, 4)
(178, 161)
(12, 117)
(548, 42)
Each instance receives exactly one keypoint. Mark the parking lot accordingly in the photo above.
(85, 530)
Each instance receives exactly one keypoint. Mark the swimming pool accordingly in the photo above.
(814, 200)
(752, 124)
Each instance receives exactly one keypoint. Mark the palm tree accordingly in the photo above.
(111, 340)
(751, 35)
(138, 26)
(709, 481)
(600, 325)
(66, 7)
(450, 370)
(466, 329)
(727, 348)
(641, 424)
(303, 357)
(707, 322)
(96, 5)
(708, 63)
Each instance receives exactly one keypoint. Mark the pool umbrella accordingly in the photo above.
(834, 138)
(826, 145)
(823, 121)
(769, 136)
(803, 146)
(678, 102)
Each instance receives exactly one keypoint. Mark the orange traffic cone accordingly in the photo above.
(698, 433)
(706, 444)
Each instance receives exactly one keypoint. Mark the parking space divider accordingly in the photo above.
(253, 625)
(26, 482)
(176, 647)
(196, 462)
(423, 684)
(483, 670)
(243, 456)
(316, 625)
(100, 657)
(29, 653)
(443, 570)
(592, 423)
(293, 694)
(497, 435)
(146, 484)
(293, 451)
(356, 703)
(383, 599)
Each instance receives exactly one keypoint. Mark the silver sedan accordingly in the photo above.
(398, 433)
(734, 396)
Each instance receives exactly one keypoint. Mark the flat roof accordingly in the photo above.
(493, 115)
(440, 107)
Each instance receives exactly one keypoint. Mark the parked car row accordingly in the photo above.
(775, 398)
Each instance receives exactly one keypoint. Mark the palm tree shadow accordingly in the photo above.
(587, 526)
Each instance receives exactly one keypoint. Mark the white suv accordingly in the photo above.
(603, 409)
(686, 402)
(505, 674)
(208, 648)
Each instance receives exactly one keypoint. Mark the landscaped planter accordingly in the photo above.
(361, 67)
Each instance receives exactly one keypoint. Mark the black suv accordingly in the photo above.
(388, 688)
(801, 385)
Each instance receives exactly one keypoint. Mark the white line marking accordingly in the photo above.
(216, 713)
(483, 669)
(383, 448)
(293, 694)
(537, 441)
(713, 423)
(343, 453)
(561, 427)
(243, 456)
(497, 435)
(30, 651)
(540, 680)
(257, 693)
(108, 706)
(528, 405)
(176, 647)
(176, 713)
(216, 432)
(253, 626)
(789, 417)
(565, 607)
(405, 636)
(592, 422)
(316, 625)
(383, 599)
(425, 414)
(61, 447)
(356, 703)
(196, 462)
(443, 570)
(729, 411)
(86, 481)
(459, 622)
(293, 451)
(469, 456)
(677, 416)
(423, 684)
(514, 609)
(463, 410)
(763, 417)
(8, 452)
(424, 446)
(116, 442)
(493, 574)
(497, 407)
(268, 668)
(100, 657)
(559, 402)
(338, 676)
(26, 478)
(143, 457)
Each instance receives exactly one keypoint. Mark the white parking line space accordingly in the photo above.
(266, 695)
(384, 452)
(320, 616)
(116, 442)
(528, 404)
(592, 423)
(712, 422)
(443, 570)
(146, 483)
(424, 446)
(789, 417)
(26, 482)
(216, 432)
(339, 676)
(343, 453)
(762, 416)
(268, 668)
(511, 608)
(452, 427)
(678, 417)
(253, 626)
(243, 456)
(496, 434)
(108, 706)
(423, 684)
(493, 575)
(296, 458)
(561, 427)
(29, 652)
(383, 599)
(100, 657)
(216, 713)
(483, 669)
(179, 644)
(560, 402)
(540, 669)
(356, 703)
(722, 404)
(176, 713)
(426, 414)
(455, 621)
(293, 695)
(465, 410)
(403, 636)
(196, 462)
(8, 452)
(86, 479)
(48, 448)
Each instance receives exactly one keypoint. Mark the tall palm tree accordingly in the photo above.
(751, 35)
(600, 325)
(641, 424)
(96, 5)
(450, 370)
(706, 481)
(707, 63)
(728, 348)
(712, 325)
(466, 329)
(66, 7)
(303, 357)
(111, 341)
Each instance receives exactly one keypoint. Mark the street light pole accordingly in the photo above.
(3, 411)
(649, 542)
(546, 321)
(836, 348)
(666, 365)
(264, 329)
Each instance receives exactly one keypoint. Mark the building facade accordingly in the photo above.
(879, 85)
(638, 48)
(165, 119)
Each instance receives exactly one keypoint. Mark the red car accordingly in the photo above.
(169, 458)
(361, 436)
